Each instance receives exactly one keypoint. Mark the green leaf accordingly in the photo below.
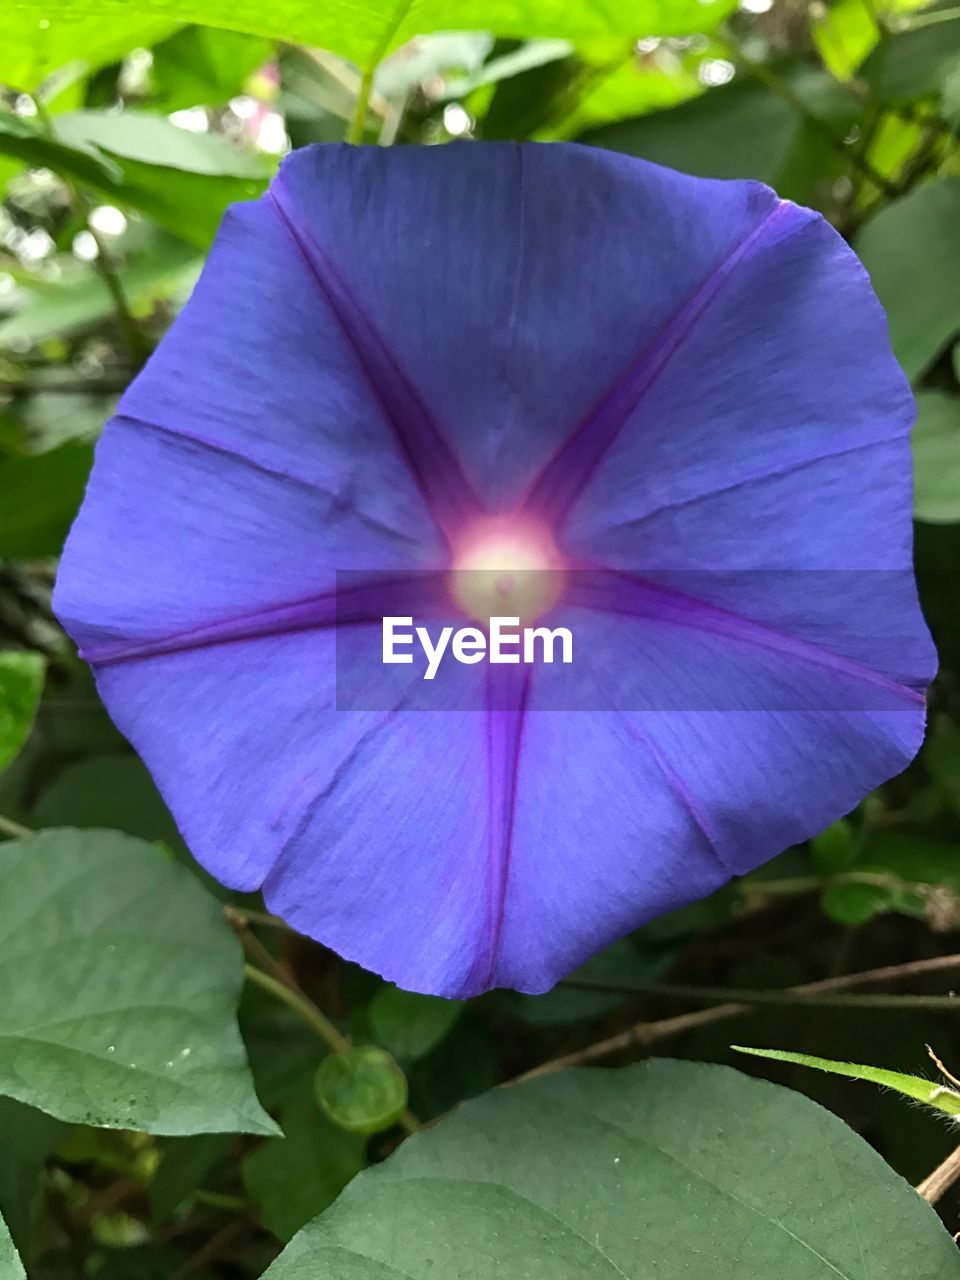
(853, 904)
(844, 34)
(914, 1087)
(39, 38)
(834, 849)
(365, 33)
(936, 458)
(910, 251)
(11, 1268)
(29, 1138)
(743, 130)
(914, 64)
(202, 67)
(186, 1164)
(85, 301)
(294, 1178)
(361, 1089)
(663, 1169)
(114, 791)
(153, 140)
(119, 979)
(410, 1025)
(21, 684)
(41, 494)
(23, 140)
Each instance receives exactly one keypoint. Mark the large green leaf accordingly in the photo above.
(367, 31)
(743, 130)
(936, 458)
(915, 63)
(119, 979)
(910, 250)
(21, 683)
(41, 493)
(11, 1268)
(38, 38)
(664, 1169)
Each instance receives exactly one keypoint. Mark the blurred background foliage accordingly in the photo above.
(125, 131)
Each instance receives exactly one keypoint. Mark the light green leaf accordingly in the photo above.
(663, 1169)
(936, 458)
(23, 140)
(41, 494)
(361, 1089)
(294, 1178)
(410, 1025)
(21, 683)
(152, 139)
(119, 979)
(915, 1087)
(910, 250)
(39, 38)
(11, 1268)
(85, 301)
(366, 32)
(844, 34)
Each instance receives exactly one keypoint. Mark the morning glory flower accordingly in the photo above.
(546, 382)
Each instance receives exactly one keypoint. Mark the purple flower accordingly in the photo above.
(672, 400)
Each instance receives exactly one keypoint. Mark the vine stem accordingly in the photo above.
(358, 123)
(644, 1034)
(13, 829)
(301, 1005)
(274, 978)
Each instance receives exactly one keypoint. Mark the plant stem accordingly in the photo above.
(274, 978)
(358, 124)
(13, 829)
(644, 1034)
(936, 1184)
(301, 1005)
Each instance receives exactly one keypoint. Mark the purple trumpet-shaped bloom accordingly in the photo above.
(672, 398)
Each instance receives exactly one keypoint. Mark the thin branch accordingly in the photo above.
(936, 1184)
(789, 998)
(644, 1034)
